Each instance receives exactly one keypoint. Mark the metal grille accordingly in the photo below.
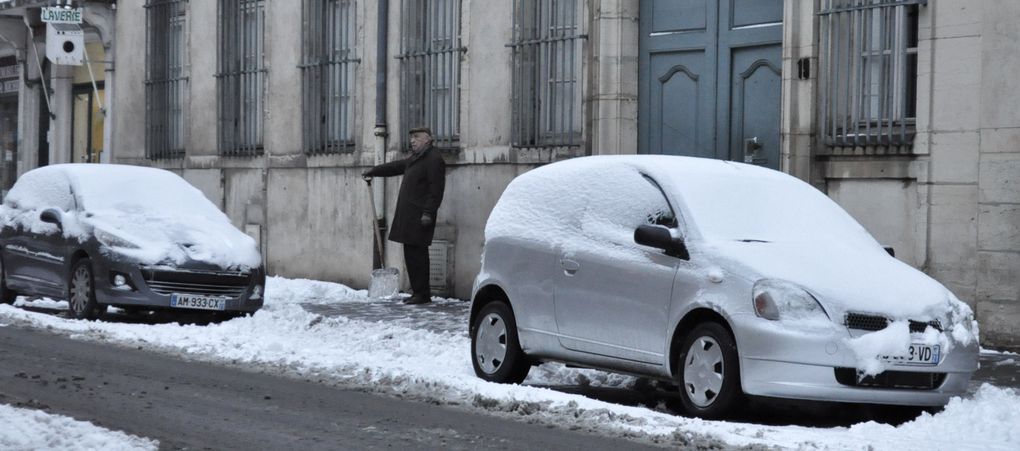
(863, 321)
(439, 265)
(868, 56)
(165, 78)
(327, 72)
(890, 379)
(168, 288)
(430, 69)
(192, 282)
(546, 60)
(241, 76)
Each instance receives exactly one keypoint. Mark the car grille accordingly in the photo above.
(227, 284)
(905, 380)
(862, 321)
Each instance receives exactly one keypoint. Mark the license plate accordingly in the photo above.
(918, 354)
(197, 302)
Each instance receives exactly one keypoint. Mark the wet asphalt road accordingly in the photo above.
(192, 405)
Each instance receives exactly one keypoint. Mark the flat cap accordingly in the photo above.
(425, 130)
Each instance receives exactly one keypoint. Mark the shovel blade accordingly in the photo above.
(385, 283)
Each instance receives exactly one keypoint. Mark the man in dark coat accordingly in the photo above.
(414, 220)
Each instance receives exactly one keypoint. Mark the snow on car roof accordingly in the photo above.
(134, 188)
(579, 203)
(720, 199)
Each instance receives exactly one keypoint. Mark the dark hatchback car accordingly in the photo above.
(126, 236)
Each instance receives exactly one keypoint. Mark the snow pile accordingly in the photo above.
(988, 421)
(43, 303)
(33, 429)
(402, 354)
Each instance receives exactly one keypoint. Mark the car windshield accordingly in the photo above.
(118, 190)
(744, 203)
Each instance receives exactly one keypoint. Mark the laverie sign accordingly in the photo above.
(61, 15)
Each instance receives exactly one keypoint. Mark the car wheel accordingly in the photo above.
(7, 295)
(81, 292)
(708, 372)
(495, 352)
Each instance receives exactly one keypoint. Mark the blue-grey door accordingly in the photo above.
(710, 79)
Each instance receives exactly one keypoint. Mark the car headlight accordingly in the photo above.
(110, 240)
(777, 299)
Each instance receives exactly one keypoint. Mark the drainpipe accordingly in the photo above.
(381, 133)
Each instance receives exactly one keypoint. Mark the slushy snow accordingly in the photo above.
(425, 355)
(26, 429)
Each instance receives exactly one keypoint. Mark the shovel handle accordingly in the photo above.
(375, 223)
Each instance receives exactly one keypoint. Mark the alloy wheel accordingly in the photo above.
(490, 343)
(704, 371)
(81, 289)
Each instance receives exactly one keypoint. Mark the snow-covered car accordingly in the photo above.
(127, 236)
(725, 278)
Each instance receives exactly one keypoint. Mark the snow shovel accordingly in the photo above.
(385, 282)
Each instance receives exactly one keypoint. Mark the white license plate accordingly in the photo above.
(918, 354)
(197, 302)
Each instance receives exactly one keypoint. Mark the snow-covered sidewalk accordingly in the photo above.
(329, 332)
(26, 429)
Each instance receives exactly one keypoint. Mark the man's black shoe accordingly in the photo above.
(414, 300)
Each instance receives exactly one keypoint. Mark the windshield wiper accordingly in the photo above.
(748, 240)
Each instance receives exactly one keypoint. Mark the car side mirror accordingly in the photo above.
(52, 216)
(660, 237)
(890, 250)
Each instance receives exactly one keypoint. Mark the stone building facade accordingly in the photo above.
(902, 111)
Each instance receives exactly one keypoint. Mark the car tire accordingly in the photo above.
(495, 352)
(81, 292)
(7, 295)
(708, 372)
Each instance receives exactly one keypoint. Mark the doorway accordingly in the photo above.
(710, 79)
(87, 116)
(87, 125)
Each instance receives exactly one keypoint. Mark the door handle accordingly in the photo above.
(569, 266)
(751, 147)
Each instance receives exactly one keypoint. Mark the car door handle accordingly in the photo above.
(569, 266)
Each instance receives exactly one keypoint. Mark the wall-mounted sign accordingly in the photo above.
(61, 15)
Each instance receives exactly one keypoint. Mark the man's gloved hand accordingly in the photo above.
(427, 220)
(368, 178)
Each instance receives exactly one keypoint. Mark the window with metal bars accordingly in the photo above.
(165, 78)
(429, 57)
(328, 75)
(242, 74)
(868, 77)
(546, 61)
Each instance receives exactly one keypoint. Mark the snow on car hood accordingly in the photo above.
(843, 278)
(163, 240)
